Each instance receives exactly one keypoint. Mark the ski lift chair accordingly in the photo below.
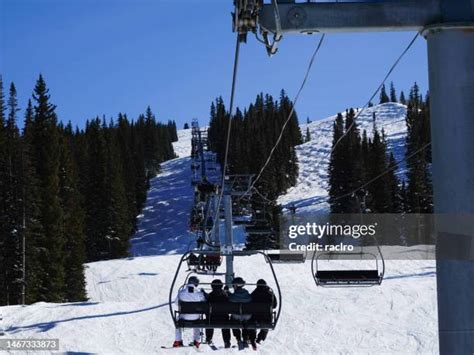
(349, 277)
(286, 256)
(202, 263)
(263, 314)
(241, 212)
(262, 229)
(239, 184)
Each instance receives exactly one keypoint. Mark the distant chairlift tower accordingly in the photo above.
(448, 26)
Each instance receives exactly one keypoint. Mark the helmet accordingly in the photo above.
(193, 280)
(216, 284)
(238, 282)
(261, 282)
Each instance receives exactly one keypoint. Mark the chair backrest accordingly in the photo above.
(193, 307)
(225, 308)
(257, 308)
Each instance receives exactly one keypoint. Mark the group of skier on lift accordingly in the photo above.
(191, 293)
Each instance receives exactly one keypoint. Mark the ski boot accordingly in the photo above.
(178, 344)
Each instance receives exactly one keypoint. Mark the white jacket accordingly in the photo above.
(190, 293)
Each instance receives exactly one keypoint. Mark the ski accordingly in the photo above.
(180, 347)
(212, 346)
(215, 347)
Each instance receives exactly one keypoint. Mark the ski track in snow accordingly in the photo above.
(128, 310)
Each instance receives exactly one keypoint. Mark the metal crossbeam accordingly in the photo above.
(330, 17)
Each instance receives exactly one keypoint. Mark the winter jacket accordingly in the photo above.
(218, 296)
(190, 293)
(241, 295)
(263, 294)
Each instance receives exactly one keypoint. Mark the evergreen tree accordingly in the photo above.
(118, 227)
(12, 195)
(72, 223)
(173, 133)
(354, 170)
(31, 207)
(419, 188)
(186, 126)
(4, 229)
(380, 194)
(383, 95)
(129, 177)
(46, 148)
(58, 186)
(95, 196)
(337, 166)
(402, 98)
(308, 135)
(393, 93)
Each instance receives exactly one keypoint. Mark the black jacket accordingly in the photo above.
(218, 296)
(263, 294)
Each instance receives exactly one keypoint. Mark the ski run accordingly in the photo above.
(128, 310)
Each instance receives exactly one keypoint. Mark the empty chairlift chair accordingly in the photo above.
(350, 276)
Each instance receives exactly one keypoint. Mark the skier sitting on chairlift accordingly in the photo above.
(189, 293)
(263, 294)
(218, 295)
(241, 295)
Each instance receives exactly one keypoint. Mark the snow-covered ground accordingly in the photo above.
(313, 156)
(170, 198)
(128, 310)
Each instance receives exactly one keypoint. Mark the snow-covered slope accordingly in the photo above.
(128, 312)
(313, 156)
(170, 198)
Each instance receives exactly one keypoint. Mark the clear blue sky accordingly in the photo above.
(101, 57)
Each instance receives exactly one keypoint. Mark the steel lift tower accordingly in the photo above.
(448, 26)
